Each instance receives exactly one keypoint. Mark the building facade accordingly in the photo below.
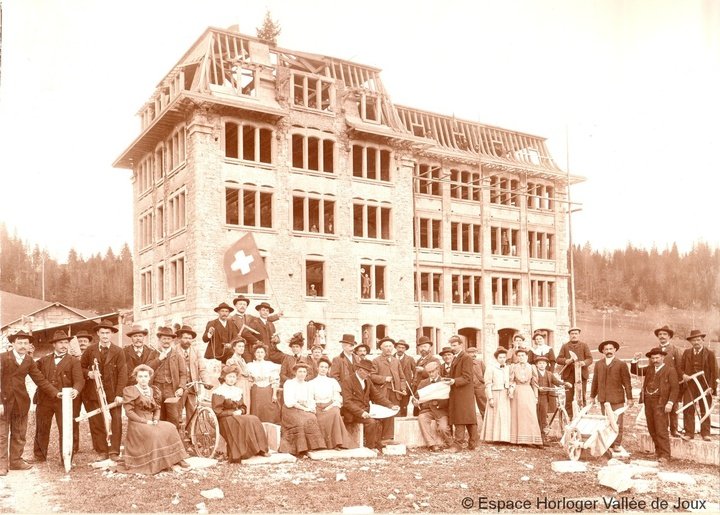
(373, 219)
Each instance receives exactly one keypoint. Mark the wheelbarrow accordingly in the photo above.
(593, 432)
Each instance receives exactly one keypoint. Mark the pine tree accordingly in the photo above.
(269, 31)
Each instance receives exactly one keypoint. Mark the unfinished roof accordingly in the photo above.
(13, 307)
(236, 70)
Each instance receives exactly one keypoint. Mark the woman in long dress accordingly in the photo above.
(244, 434)
(496, 423)
(300, 429)
(151, 445)
(327, 395)
(540, 348)
(265, 376)
(244, 381)
(524, 426)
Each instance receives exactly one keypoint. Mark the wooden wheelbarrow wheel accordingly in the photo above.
(574, 445)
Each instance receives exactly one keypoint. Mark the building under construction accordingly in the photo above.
(373, 218)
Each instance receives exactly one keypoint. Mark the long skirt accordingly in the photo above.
(150, 449)
(262, 406)
(333, 429)
(300, 432)
(244, 435)
(524, 426)
(496, 424)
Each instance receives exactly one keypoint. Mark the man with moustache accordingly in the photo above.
(389, 378)
(462, 396)
(137, 353)
(195, 369)
(570, 353)
(264, 332)
(478, 380)
(361, 350)
(219, 333)
(343, 364)
(15, 365)
(424, 346)
(408, 367)
(698, 358)
(170, 376)
(611, 383)
(62, 371)
(434, 411)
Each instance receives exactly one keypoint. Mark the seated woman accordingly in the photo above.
(151, 445)
(243, 434)
(300, 429)
(265, 376)
(244, 380)
(328, 400)
(540, 348)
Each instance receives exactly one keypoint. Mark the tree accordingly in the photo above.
(269, 31)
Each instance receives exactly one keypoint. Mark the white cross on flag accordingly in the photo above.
(243, 264)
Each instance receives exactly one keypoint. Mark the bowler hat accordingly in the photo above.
(58, 336)
(165, 331)
(21, 334)
(403, 343)
(185, 329)
(223, 305)
(446, 350)
(367, 347)
(348, 338)
(386, 339)
(654, 351)
(609, 342)
(423, 340)
(136, 329)
(574, 329)
(84, 334)
(695, 333)
(365, 364)
(265, 305)
(106, 324)
(241, 298)
(666, 329)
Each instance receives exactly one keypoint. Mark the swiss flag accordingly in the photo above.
(243, 264)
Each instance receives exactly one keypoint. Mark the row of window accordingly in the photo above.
(164, 220)
(165, 282)
(168, 156)
(467, 289)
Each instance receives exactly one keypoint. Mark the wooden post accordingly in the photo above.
(67, 428)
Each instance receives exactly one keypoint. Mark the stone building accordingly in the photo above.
(372, 218)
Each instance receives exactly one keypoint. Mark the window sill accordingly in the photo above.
(173, 300)
(359, 239)
(504, 206)
(463, 305)
(309, 234)
(465, 200)
(432, 304)
(176, 233)
(146, 248)
(177, 168)
(314, 110)
(236, 227)
(466, 253)
(146, 307)
(428, 195)
(316, 173)
(316, 298)
(374, 182)
(253, 164)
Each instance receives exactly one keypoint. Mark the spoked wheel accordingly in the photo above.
(205, 433)
(574, 445)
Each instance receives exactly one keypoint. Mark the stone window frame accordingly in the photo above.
(506, 291)
(160, 289)
(541, 195)
(249, 289)
(469, 190)
(428, 179)
(145, 230)
(380, 207)
(259, 192)
(541, 245)
(361, 163)
(322, 289)
(433, 232)
(372, 265)
(497, 235)
(434, 276)
(505, 190)
(307, 137)
(176, 211)
(258, 130)
(322, 226)
(465, 232)
(146, 288)
(474, 289)
(178, 276)
(543, 293)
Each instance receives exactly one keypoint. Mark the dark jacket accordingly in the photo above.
(113, 370)
(66, 374)
(383, 368)
(342, 368)
(356, 399)
(611, 383)
(479, 375)
(438, 407)
(289, 362)
(14, 394)
(132, 359)
(709, 366)
(263, 333)
(582, 351)
(665, 381)
(223, 335)
(408, 368)
(176, 364)
(462, 392)
(422, 362)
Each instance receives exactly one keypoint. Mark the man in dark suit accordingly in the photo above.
(434, 411)
(389, 377)
(660, 391)
(219, 333)
(62, 371)
(570, 353)
(424, 348)
(408, 367)
(195, 369)
(170, 376)
(113, 371)
(137, 353)
(478, 380)
(242, 320)
(698, 358)
(447, 356)
(263, 331)
(15, 366)
(357, 391)
(611, 383)
(462, 396)
(343, 364)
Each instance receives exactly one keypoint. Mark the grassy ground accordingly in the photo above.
(420, 481)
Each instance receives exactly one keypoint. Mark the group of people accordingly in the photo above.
(317, 400)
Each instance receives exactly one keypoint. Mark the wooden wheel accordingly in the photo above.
(205, 433)
(574, 445)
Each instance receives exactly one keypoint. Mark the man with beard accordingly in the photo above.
(389, 378)
(573, 352)
(264, 332)
(343, 365)
(408, 368)
(361, 350)
(478, 380)
(137, 353)
(424, 347)
(170, 376)
(219, 333)
(242, 320)
(611, 383)
(698, 358)
(194, 369)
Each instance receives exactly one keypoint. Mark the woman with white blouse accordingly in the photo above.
(265, 376)
(300, 430)
(328, 400)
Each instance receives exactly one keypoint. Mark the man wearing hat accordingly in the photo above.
(389, 378)
(408, 367)
(361, 350)
(195, 369)
(611, 383)
(15, 366)
(462, 396)
(660, 392)
(114, 374)
(571, 353)
(547, 402)
(263, 331)
(698, 359)
(434, 411)
(137, 353)
(62, 371)
(219, 333)
(170, 376)
(296, 344)
(446, 354)
(673, 358)
(478, 379)
(242, 319)
(342, 365)
(518, 342)
(424, 348)
(357, 392)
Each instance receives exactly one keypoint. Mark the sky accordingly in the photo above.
(628, 90)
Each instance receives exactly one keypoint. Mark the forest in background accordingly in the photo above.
(632, 278)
